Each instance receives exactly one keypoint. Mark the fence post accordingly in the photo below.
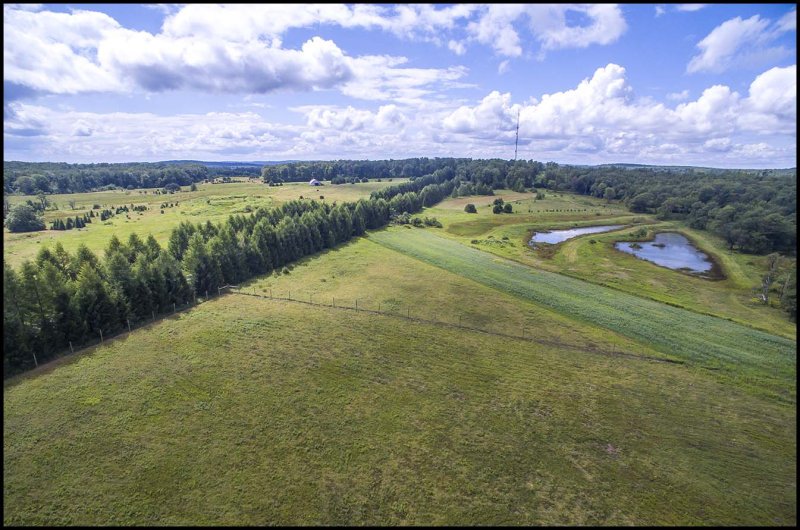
(206, 294)
(194, 295)
(70, 347)
(154, 316)
(408, 312)
(101, 335)
(173, 307)
(129, 324)
(219, 291)
(36, 362)
(333, 302)
(356, 304)
(379, 307)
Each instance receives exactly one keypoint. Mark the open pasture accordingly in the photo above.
(211, 202)
(762, 361)
(593, 258)
(247, 410)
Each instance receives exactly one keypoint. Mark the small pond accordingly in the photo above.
(671, 250)
(557, 236)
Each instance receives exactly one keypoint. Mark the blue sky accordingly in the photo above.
(686, 84)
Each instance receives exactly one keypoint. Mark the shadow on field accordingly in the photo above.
(66, 358)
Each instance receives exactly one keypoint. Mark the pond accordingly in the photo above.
(671, 250)
(557, 236)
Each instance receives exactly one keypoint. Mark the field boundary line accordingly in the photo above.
(609, 353)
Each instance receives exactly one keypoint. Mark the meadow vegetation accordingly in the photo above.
(508, 236)
(365, 369)
(211, 202)
(247, 410)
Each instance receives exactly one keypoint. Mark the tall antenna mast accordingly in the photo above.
(516, 142)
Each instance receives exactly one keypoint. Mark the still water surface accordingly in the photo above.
(557, 236)
(671, 250)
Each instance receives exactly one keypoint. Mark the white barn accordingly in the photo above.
(314, 182)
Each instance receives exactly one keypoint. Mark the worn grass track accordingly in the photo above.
(758, 360)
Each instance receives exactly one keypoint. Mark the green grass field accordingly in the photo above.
(600, 263)
(211, 202)
(736, 351)
(254, 411)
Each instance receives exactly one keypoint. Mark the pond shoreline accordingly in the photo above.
(715, 272)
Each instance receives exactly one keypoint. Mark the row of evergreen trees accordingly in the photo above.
(78, 222)
(61, 298)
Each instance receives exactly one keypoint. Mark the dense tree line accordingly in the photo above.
(60, 298)
(30, 178)
(754, 211)
(341, 171)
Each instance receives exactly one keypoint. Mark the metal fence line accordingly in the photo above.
(235, 289)
(407, 316)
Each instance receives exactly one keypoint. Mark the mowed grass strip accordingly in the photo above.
(370, 276)
(758, 360)
(252, 411)
(593, 257)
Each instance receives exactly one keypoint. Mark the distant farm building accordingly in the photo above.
(314, 182)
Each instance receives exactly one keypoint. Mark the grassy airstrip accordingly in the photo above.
(250, 410)
(211, 202)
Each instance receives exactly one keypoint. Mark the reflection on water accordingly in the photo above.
(669, 250)
(557, 236)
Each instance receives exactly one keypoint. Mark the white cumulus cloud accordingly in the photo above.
(548, 25)
(739, 42)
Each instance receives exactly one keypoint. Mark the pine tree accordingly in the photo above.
(203, 267)
(93, 302)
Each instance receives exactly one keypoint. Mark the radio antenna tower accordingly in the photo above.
(516, 142)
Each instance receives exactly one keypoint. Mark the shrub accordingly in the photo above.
(497, 208)
(507, 208)
(23, 218)
(470, 208)
(285, 270)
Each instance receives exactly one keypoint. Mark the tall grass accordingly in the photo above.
(756, 359)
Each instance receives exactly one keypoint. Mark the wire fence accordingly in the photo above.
(129, 325)
(341, 305)
(409, 315)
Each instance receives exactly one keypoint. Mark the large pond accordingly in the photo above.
(670, 250)
(557, 236)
